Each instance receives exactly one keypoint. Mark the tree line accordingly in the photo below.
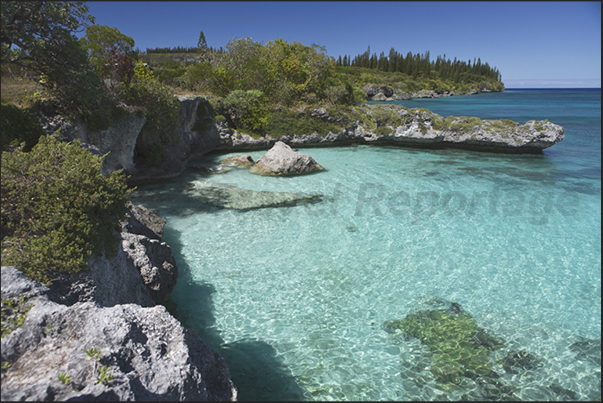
(421, 65)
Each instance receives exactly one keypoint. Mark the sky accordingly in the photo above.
(537, 44)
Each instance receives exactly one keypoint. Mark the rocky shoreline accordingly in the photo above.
(103, 335)
(376, 92)
(197, 134)
(113, 308)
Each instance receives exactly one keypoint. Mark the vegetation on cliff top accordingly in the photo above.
(57, 208)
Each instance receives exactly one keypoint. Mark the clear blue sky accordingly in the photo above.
(533, 44)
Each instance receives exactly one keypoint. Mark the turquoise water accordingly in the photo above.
(295, 298)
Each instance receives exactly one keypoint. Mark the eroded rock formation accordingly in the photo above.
(140, 352)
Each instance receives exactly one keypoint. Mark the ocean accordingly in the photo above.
(298, 299)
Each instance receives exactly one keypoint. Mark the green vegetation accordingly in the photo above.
(439, 74)
(103, 377)
(13, 314)
(64, 377)
(18, 126)
(57, 209)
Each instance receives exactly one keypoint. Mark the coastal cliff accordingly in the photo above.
(197, 133)
(102, 335)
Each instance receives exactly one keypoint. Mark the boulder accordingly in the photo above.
(282, 160)
(142, 221)
(240, 161)
(141, 353)
(231, 197)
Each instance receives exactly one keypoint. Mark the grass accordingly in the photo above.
(19, 92)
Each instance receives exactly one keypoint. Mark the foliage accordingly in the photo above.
(421, 65)
(43, 35)
(64, 377)
(13, 314)
(110, 51)
(162, 107)
(289, 122)
(17, 126)
(93, 353)
(103, 377)
(202, 43)
(57, 209)
(32, 26)
(247, 109)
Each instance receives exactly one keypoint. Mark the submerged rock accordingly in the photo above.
(240, 161)
(232, 197)
(282, 160)
(589, 350)
(519, 360)
(459, 347)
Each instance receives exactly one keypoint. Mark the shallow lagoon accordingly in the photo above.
(295, 299)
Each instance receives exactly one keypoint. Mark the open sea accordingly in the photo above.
(296, 299)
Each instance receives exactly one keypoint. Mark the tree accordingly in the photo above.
(202, 43)
(105, 46)
(42, 34)
(34, 26)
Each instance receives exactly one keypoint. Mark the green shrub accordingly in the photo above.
(18, 126)
(170, 76)
(247, 109)
(57, 209)
(162, 107)
(290, 122)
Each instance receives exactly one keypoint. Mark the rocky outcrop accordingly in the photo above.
(141, 353)
(377, 92)
(231, 197)
(240, 161)
(194, 135)
(119, 140)
(282, 160)
(420, 128)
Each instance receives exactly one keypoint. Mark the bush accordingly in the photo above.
(162, 107)
(57, 209)
(18, 126)
(247, 109)
(289, 122)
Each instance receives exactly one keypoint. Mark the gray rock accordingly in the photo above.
(230, 197)
(238, 161)
(149, 354)
(282, 160)
(119, 140)
(155, 262)
(417, 130)
(142, 221)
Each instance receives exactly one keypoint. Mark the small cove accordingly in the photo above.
(295, 298)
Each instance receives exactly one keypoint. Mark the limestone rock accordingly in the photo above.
(142, 221)
(238, 161)
(231, 197)
(282, 160)
(154, 261)
(149, 354)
